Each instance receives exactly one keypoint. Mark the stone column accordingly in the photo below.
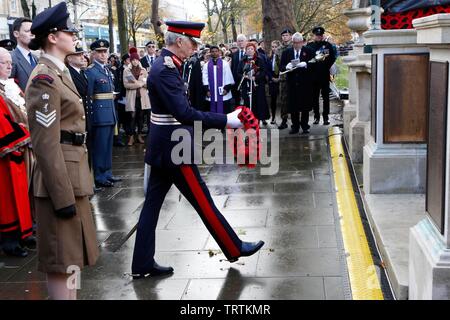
(390, 166)
(359, 21)
(359, 131)
(429, 254)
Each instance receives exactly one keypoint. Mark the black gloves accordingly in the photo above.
(67, 212)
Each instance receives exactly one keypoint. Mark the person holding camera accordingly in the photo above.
(252, 72)
(218, 81)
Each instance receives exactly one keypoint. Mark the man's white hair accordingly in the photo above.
(3, 51)
(170, 38)
(297, 37)
(241, 37)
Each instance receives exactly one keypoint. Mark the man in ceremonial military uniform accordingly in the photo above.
(326, 57)
(286, 43)
(171, 111)
(148, 60)
(76, 63)
(102, 114)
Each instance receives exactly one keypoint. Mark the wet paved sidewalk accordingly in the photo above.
(294, 212)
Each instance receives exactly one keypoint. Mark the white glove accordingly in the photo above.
(289, 66)
(303, 64)
(233, 120)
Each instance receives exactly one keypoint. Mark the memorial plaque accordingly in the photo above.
(406, 85)
(373, 120)
(437, 142)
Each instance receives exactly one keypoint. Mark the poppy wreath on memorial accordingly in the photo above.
(246, 146)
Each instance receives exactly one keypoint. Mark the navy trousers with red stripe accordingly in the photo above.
(188, 180)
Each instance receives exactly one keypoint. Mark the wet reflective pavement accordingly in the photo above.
(294, 212)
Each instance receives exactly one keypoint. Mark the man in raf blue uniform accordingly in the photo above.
(102, 114)
(171, 111)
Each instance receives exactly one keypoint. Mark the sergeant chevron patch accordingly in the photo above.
(46, 120)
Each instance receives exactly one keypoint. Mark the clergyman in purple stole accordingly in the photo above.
(216, 97)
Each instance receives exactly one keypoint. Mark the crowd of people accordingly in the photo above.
(62, 110)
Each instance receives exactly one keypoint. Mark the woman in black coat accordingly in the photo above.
(253, 64)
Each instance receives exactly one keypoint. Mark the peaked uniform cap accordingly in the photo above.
(8, 44)
(100, 44)
(193, 30)
(53, 19)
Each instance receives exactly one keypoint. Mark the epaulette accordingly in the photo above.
(41, 72)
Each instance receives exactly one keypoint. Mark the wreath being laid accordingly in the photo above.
(245, 142)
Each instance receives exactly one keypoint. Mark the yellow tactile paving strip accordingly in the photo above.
(364, 281)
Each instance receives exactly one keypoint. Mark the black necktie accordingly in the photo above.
(296, 54)
(241, 54)
(83, 74)
(151, 61)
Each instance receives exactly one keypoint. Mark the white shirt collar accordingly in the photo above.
(24, 52)
(77, 69)
(101, 65)
(61, 66)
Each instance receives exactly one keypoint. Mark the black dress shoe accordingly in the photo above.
(114, 179)
(316, 121)
(155, 271)
(326, 123)
(282, 126)
(249, 248)
(305, 131)
(273, 121)
(104, 184)
(264, 123)
(16, 251)
(294, 131)
(29, 243)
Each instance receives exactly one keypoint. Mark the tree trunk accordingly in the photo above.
(33, 10)
(25, 9)
(277, 15)
(122, 25)
(157, 24)
(225, 34)
(133, 35)
(233, 27)
(208, 9)
(111, 27)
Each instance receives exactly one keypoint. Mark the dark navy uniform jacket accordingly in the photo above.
(321, 69)
(168, 98)
(100, 82)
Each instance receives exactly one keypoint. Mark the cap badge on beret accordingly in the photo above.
(102, 44)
